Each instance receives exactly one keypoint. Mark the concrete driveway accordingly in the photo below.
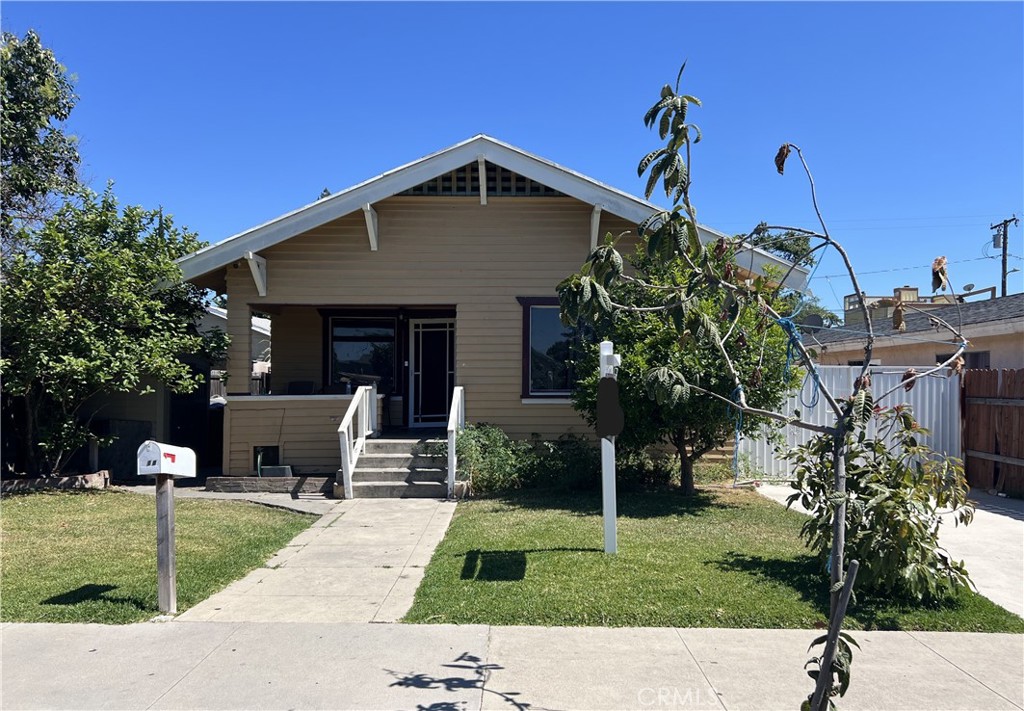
(362, 562)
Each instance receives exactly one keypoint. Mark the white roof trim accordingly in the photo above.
(412, 174)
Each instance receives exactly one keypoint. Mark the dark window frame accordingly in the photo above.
(528, 302)
(971, 359)
(332, 339)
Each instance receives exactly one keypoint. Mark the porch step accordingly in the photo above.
(399, 490)
(400, 469)
(392, 460)
(400, 446)
(397, 474)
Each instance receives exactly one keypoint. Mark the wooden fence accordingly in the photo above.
(993, 429)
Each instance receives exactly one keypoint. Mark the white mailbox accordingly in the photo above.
(156, 458)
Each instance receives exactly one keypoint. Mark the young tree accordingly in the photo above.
(841, 448)
(647, 342)
(92, 304)
(38, 160)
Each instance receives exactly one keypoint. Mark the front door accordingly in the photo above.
(431, 371)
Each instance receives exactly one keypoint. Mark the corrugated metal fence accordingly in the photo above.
(935, 399)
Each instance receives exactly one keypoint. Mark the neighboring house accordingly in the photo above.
(216, 317)
(439, 273)
(994, 329)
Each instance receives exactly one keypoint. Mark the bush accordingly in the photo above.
(895, 494)
(492, 462)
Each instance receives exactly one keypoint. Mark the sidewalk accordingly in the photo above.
(362, 562)
(992, 545)
(211, 665)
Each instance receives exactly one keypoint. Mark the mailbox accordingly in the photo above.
(156, 458)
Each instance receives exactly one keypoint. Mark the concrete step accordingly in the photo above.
(395, 460)
(399, 446)
(398, 474)
(395, 490)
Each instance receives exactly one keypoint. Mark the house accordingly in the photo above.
(217, 317)
(438, 273)
(994, 329)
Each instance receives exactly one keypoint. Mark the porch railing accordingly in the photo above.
(359, 423)
(456, 423)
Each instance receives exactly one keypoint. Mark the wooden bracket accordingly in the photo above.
(371, 225)
(258, 267)
(595, 226)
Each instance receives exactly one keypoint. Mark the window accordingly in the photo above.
(548, 348)
(973, 360)
(362, 347)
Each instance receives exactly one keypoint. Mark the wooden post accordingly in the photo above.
(167, 594)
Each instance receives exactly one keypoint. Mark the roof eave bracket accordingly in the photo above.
(371, 226)
(595, 227)
(258, 267)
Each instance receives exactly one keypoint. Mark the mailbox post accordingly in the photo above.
(166, 463)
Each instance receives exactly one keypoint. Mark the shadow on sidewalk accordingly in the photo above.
(481, 673)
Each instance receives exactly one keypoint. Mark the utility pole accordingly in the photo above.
(1004, 227)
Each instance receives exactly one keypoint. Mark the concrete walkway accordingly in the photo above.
(362, 562)
(216, 665)
(992, 546)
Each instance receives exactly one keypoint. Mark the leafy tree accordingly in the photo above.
(92, 305)
(647, 342)
(896, 475)
(38, 160)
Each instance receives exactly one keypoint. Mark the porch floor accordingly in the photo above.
(414, 433)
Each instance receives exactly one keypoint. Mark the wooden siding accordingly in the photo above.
(304, 428)
(433, 250)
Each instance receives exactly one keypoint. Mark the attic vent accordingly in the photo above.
(466, 181)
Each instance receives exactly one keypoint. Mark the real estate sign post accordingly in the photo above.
(609, 424)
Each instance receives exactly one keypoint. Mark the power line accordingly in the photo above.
(903, 269)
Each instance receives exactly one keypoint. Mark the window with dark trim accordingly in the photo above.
(548, 348)
(361, 351)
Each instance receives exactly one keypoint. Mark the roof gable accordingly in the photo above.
(408, 177)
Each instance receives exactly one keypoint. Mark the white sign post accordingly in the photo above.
(166, 463)
(609, 368)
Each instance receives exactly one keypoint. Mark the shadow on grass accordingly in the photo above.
(481, 673)
(804, 576)
(93, 593)
(506, 565)
(645, 504)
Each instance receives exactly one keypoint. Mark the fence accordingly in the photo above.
(994, 429)
(935, 400)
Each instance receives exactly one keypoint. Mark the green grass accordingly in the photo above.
(726, 558)
(91, 556)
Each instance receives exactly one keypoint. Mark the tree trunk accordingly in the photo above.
(686, 474)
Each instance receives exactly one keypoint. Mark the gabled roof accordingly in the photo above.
(259, 324)
(395, 181)
(1006, 309)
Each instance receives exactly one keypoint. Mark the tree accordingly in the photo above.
(92, 304)
(38, 160)
(646, 342)
(840, 449)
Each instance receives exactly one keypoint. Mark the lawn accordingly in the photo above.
(91, 556)
(725, 558)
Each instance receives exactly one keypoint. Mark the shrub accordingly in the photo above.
(896, 491)
(489, 460)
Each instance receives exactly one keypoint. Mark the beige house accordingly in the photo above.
(994, 329)
(440, 273)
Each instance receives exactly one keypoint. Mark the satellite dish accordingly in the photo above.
(968, 287)
(812, 323)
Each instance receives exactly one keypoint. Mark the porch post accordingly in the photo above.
(240, 350)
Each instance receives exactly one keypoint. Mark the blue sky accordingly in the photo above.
(229, 114)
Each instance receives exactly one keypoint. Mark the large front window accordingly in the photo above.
(547, 349)
(363, 351)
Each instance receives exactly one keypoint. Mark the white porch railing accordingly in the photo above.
(359, 423)
(456, 423)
